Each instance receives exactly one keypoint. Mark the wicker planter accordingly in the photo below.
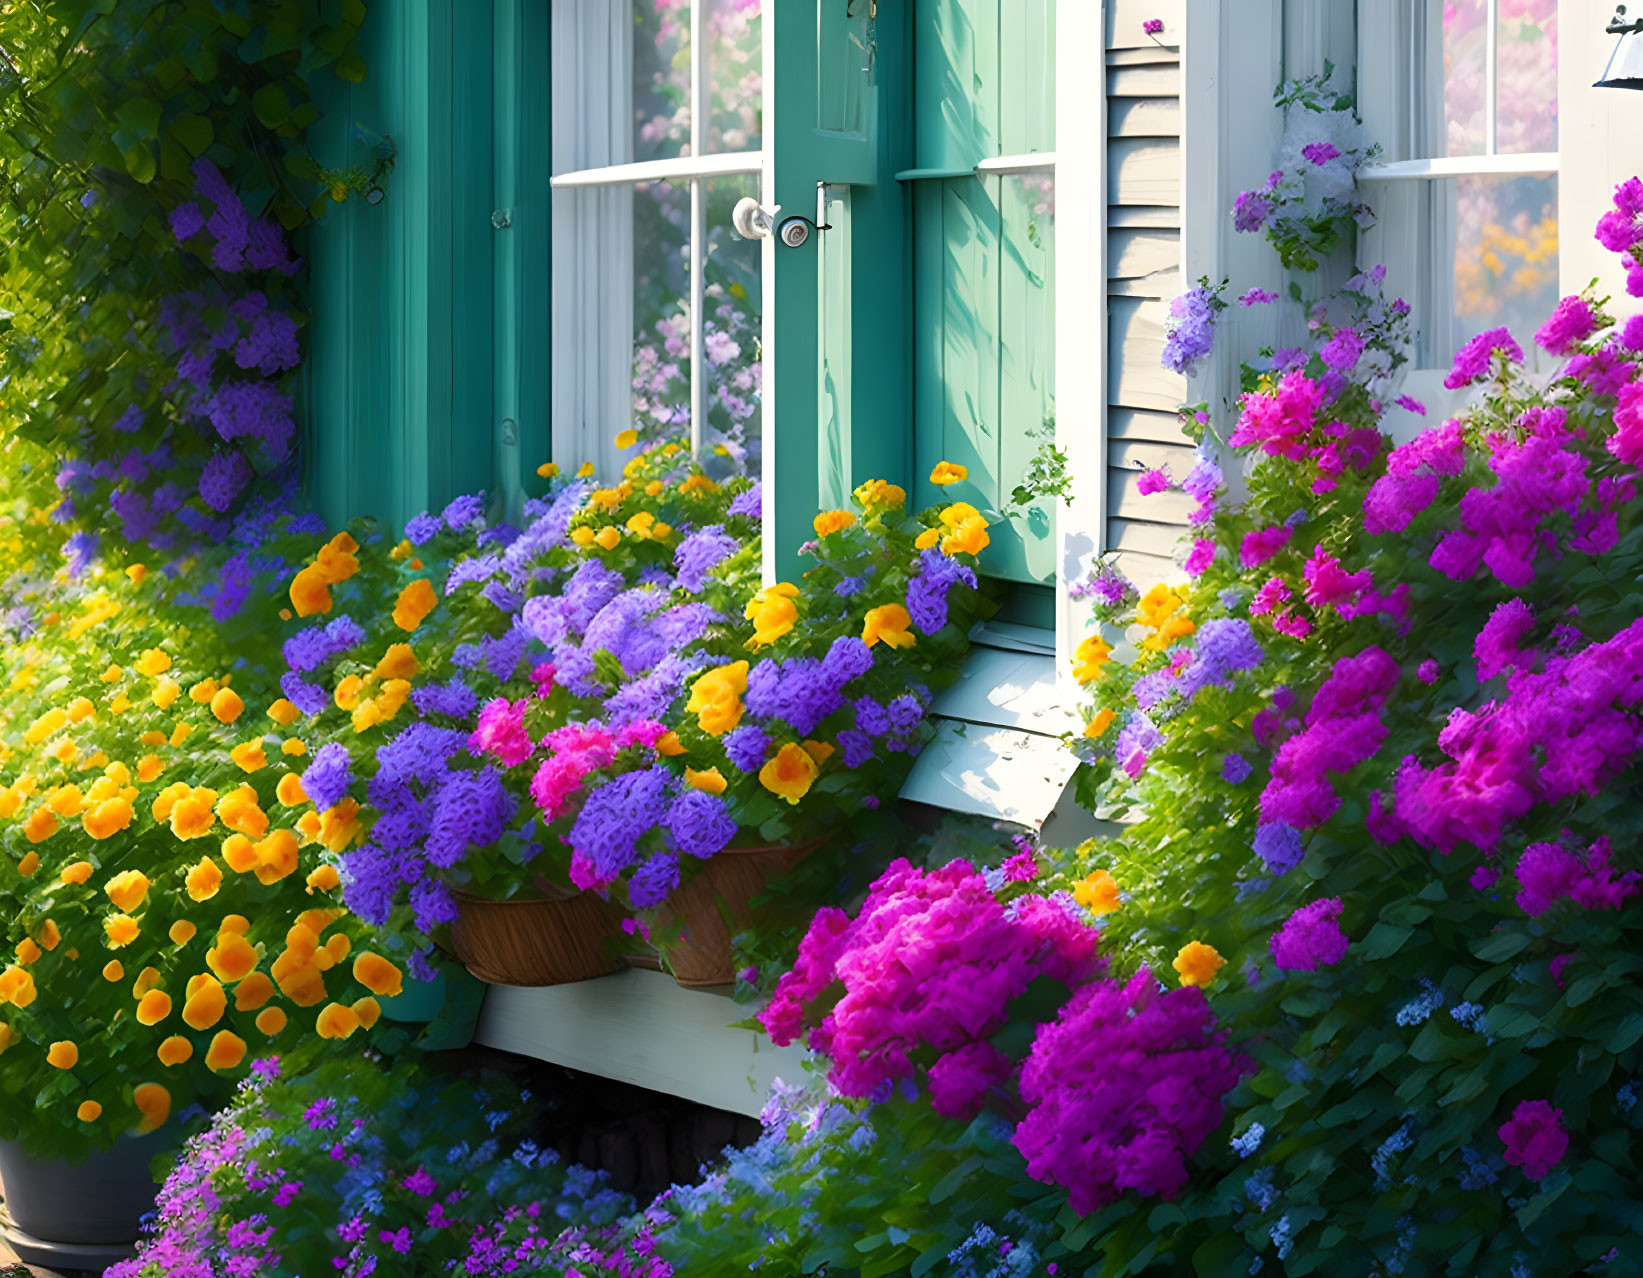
(701, 957)
(538, 940)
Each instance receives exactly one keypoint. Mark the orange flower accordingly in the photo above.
(66, 800)
(1098, 893)
(284, 713)
(415, 602)
(121, 929)
(820, 751)
(889, 624)
(234, 923)
(348, 691)
(323, 878)
(368, 1010)
(153, 1007)
(175, 1050)
(378, 975)
(149, 767)
(29, 864)
(166, 800)
(968, 537)
(399, 662)
(1198, 963)
(63, 1055)
(339, 826)
(255, 990)
(240, 853)
(790, 774)
(113, 970)
(17, 987)
(166, 691)
(181, 932)
(832, 521)
(227, 1050)
(127, 889)
(1099, 724)
(41, 825)
(878, 493)
(232, 958)
(205, 1003)
(948, 473)
(709, 780)
(249, 756)
(670, 745)
(338, 947)
(226, 705)
(271, 1020)
(336, 1021)
(48, 935)
(89, 1111)
(27, 951)
(276, 856)
(153, 1103)
(193, 816)
(289, 791)
(310, 592)
(240, 813)
(146, 980)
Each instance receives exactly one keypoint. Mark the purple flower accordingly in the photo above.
(1473, 359)
(748, 747)
(329, 775)
(749, 504)
(700, 823)
(1343, 350)
(471, 809)
(225, 476)
(1572, 321)
(905, 714)
(1189, 330)
(1154, 481)
(1257, 296)
(420, 529)
(1321, 153)
(616, 816)
(702, 551)
(463, 511)
(1153, 26)
(1235, 769)
(1310, 938)
(654, 879)
(1278, 844)
(928, 590)
(1534, 1138)
(857, 747)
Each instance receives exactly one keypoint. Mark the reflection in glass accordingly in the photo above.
(734, 74)
(730, 334)
(661, 310)
(1526, 67)
(661, 79)
(1503, 254)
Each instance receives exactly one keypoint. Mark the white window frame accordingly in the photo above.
(592, 44)
(1397, 187)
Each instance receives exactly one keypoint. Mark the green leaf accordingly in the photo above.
(1500, 946)
(271, 105)
(192, 132)
(350, 68)
(1385, 940)
(1623, 1035)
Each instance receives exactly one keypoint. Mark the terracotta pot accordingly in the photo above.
(537, 940)
(98, 1201)
(701, 957)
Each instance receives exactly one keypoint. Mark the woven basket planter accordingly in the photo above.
(537, 940)
(701, 957)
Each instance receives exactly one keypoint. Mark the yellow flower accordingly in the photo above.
(323, 878)
(17, 986)
(121, 930)
(232, 958)
(548, 470)
(584, 470)
(772, 613)
(255, 990)
(1098, 893)
(29, 864)
(627, 439)
(336, 1021)
(1157, 604)
(368, 1010)
(1090, 659)
(927, 538)
(1096, 726)
(607, 538)
(193, 815)
(181, 932)
(48, 935)
(89, 1111)
(27, 951)
(284, 713)
(175, 1050)
(239, 812)
(948, 473)
(1198, 963)
(378, 975)
(227, 1050)
(127, 889)
(820, 751)
(876, 494)
(710, 780)
(832, 521)
(277, 855)
(153, 1102)
(670, 745)
(107, 819)
(790, 774)
(248, 756)
(968, 537)
(136, 573)
(888, 624)
(205, 1003)
(41, 825)
(63, 1054)
(113, 971)
(310, 592)
(289, 791)
(270, 1021)
(203, 880)
(415, 602)
(226, 705)
(399, 662)
(149, 767)
(716, 698)
(153, 1007)
(339, 826)
(153, 662)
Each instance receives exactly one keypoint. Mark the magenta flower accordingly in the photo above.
(1573, 320)
(501, 732)
(1202, 556)
(1321, 153)
(1534, 1138)
(1472, 360)
(1154, 481)
(1153, 26)
(1257, 296)
(1627, 441)
(1496, 647)
(1260, 545)
(1310, 938)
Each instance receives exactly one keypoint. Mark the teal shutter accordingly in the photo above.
(428, 324)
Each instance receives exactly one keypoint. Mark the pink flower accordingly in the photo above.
(1627, 441)
(501, 732)
(1571, 321)
(1330, 585)
(1270, 596)
(420, 1182)
(960, 1080)
(1310, 938)
(1548, 873)
(1020, 868)
(1496, 647)
(1153, 26)
(1279, 421)
(1427, 671)
(1472, 361)
(1260, 545)
(1154, 481)
(1534, 1138)
(1202, 556)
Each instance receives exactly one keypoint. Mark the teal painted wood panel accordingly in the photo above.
(401, 403)
(956, 49)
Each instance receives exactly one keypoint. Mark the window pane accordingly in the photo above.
(661, 306)
(1463, 87)
(661, 79)
(1503, 258)
(730, 334)
(1526, 62)
(734, 71)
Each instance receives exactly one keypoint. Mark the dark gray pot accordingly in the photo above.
(97, 1201)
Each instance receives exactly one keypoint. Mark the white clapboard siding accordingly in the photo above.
(1125, 19)
(1124, 215)
(1144, 118)
(1135, 351)
(1143, 171)
(1144, 255)
(1149, 80)
(1125, 424)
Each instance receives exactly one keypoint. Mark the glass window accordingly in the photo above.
(657, 132)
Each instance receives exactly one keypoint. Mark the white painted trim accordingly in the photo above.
(640, 1027)
(1527, 163)
(1491, 74)
(1001, 165)
(1080, 311)
(684, 167)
